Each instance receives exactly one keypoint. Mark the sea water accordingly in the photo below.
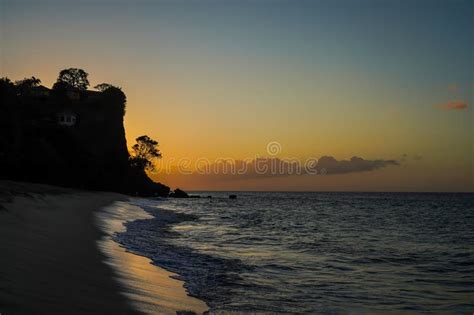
(312, 253)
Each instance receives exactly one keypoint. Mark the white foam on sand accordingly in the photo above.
(151, 289)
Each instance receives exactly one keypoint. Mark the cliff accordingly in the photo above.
(68, 137)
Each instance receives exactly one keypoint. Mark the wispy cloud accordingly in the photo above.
(406, 157)
(453, 105)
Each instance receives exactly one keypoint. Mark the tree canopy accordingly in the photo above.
(73, 77)
(6, 83)
(113, 92)
(28, 82)
(104, 87)
(145, 152)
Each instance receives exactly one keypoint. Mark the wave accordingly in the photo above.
(153, 238)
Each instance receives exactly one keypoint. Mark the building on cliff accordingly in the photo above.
(68, 137)
(67, 118)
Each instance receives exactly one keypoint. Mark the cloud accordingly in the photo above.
(276, 167)
(453, 105)
(355, 164)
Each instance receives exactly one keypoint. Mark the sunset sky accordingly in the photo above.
(381, 80)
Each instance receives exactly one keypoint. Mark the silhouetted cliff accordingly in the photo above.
(69, 137)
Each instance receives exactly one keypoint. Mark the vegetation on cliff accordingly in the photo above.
(70, 136)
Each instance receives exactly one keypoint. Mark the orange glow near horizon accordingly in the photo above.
(227, 86)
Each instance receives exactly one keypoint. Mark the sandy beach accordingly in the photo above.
(51, 263)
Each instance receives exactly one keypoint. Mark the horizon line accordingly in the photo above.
(334, 191)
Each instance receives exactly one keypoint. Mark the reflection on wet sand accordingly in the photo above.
(151, 289)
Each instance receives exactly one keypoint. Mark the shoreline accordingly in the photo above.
(151, 289)
(52, 262)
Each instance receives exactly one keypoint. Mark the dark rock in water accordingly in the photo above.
(232, 196)
(178, 193)
(194, 196)
(209, 197)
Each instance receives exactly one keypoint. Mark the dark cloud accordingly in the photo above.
(355, 164)
(276, 167)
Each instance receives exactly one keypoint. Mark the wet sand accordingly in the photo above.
(151, 289)
(50, 262)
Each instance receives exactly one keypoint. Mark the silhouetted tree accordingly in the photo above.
(5, 80)
(28, 83)
(60, 87)
(73, 77)
(113, 93)
(8, 95)
(103, 87)
(25, 86)
(6, 84)
(145, 151)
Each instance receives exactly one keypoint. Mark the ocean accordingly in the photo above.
(314, 253)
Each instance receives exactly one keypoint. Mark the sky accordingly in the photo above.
(211, 80)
